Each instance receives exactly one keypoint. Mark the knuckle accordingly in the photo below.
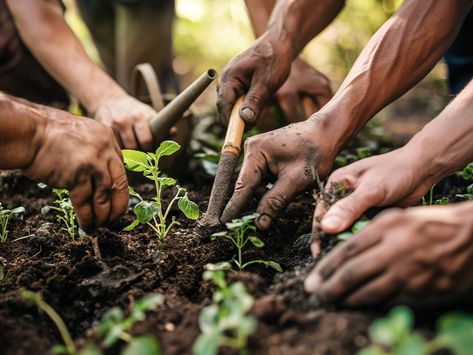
(276, 202)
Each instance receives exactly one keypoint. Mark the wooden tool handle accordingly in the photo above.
(235, 129)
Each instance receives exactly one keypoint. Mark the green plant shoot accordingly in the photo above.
(225, 322)
(468, 195)
(65, 214)
(357, 226)
(153, 213)
(5, 216)
(237, 234)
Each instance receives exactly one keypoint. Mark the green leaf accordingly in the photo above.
(167, 181)
(223, 265)
(189, 208)
(18, 210)
(135, 160)
(274, 265)
(208, 343)
(167, 148)
(145, 211)
(150, 302)
(250, 217)
(344, 236)
(390, 330)
(256, 241)
(358, 226)
(456, 332)
(143, 345)
(131, 226)
(132, 192)
(412, 344)
(371, 350)
(90, 349)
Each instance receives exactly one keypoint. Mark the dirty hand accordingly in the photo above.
(304, 81)
(294, 154)
(259, 72)
(129, 120)
(81, 155)
(394, 178)
(421, 257)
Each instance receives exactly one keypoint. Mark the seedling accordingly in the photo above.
(468, 195)
(225, 322)
(358, 226)
(153, 213)
(5, 216)
(237, 235)
(395, 335)
(65, 214)
(113, 327)
(466, 173)
(441, 201)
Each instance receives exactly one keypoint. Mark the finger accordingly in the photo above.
(143, 135)
(322, 98)
(347, 210)
(101, 184)
(254, 101)
(81, 198)
(352, 274)
(119, 189)
(128, 139)
(173, 131)
(228, 92)
(356, 245)
(290, 104)
(374, 292)
(249, 179)
(284, 190)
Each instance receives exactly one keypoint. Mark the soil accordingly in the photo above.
(81, 287)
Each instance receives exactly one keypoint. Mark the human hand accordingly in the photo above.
(81, 155)
(129, 120)
(394, 178)
(421, 257)
(294, 155)
(257, 72)
(303, 81)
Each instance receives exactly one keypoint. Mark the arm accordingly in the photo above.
(263, 68)
(43, 29)
(43, 143)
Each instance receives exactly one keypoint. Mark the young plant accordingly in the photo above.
(468, 195)
(395, 335)
(225, 322)
(5, 216)
(358, 226)
(113, 327)
(467, 172)
(441, 201)
(65, 214)
(153, 213)
(237, 234)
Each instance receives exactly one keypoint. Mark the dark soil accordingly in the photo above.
(81, 288)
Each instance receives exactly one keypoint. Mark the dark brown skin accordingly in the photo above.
(45, 142)
(401, 53)
(43, 29)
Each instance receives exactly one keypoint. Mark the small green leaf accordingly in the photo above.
(371, 350)
(143, 345)
(132, 192)
(135, 160)
(131, 226)
(456, 332)
(150, 302)
(344, 236)
(250, 217)
(45, 209)
(167, 148)
(395, 326)
(274, 265)
(167, 181)
(208, 343)
(189, 208)
(145, 211)
(256, 241)
(412, 344)
(358, 226)
(223, 265)
(90, 349)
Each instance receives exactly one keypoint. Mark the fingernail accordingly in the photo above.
(331, 222)
(312, 282)
(264, 221)
(248, 113)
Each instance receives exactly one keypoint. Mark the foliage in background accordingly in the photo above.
(153, 213)
(113, 327)
(65, 214)
(225, 322)
(395, 335)
(5, 216)
(237, 234)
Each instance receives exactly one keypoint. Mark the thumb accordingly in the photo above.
(254, 102)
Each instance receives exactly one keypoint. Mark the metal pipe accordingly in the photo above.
(172, 112)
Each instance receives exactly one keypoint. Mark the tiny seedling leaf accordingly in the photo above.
(167, 148)
(145, 211)
(143, 345)
(135, 160)
(256, 241)
(274, 265)
(131, 226)
(132, 192)
(188, 207)
(393, 328)
(167, 181)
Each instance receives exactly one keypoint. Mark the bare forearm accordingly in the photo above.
(43, 29)
(259, 12)
(399, 55)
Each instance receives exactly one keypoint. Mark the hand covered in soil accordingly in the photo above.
(129, 120)
(303, 81)
(81, 155)
(393, 178)
(294, 155)
(421, 257)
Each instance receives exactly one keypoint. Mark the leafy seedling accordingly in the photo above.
(153, 213)
(65, 214)
(225, 322)
(5, 216)
(467, 172)
(358, 226)
(468, 195)
(237, 234)
(395, 335)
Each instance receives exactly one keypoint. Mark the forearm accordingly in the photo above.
(43, 29)
(399, 55)
(444, 145)
(259, 12)
(21, 125)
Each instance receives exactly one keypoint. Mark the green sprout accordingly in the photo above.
(358, 226)
(5, 216)
(65, 215)
(113, 327)
(225, 322)
(237, 235)
(153, 213)
(467, 172)
(468, 195)
(395, 334)
(441, 201)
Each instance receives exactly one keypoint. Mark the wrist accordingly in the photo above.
(100, 93)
